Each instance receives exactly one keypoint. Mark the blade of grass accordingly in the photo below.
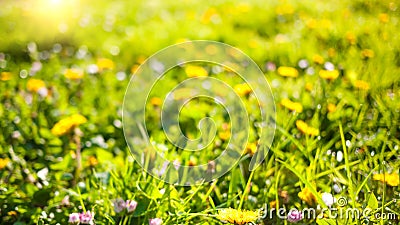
(365, 181)
(305, 181)
(246, 189)
(346, 162)
(327, 172)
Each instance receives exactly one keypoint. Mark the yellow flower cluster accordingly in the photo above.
(306, 129)
(287, 71)
(73, 74)
(307, 196)
(237, 216)
(329, 74)
(293, 106)
(3, 163)
(196, 71)
(4, 76)
(67, 124)
(105, 64)
(391, 179)
(242, 89)
(34, 85)
(360, 84)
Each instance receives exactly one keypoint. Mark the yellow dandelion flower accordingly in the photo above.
(324, 23)
(92, 161)
(287, 71)
(312, 23)
(237, 216)
(285, 9)
(34, 85)
(253, 43)
(209, 15)
(181, 40)
(73, 74)
(251, 148)
(243, 7)
(318, 59)
(384, 18)
(141, 59)
(293, 106)
(195, 71)
(192, 161)
(379, 177)
(272, 204)
(73, 154)
(346, 13)
(331, 108)
(3, 163)
(12, 213)
(331, 52)
(307, 196)
(329, 74)
(360, 84)
(105, 64)
(4, 76)
(351, 38)
(156, 101)
(367, 53)
(309, 86)
(67, 124)
(224, 135)
(211, 49)
(242, 89)
(306, 129)
(391, 179)
(134, 68)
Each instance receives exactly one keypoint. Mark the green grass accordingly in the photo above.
(364, 129)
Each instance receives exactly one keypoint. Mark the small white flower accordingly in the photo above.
(339, 156)
(328, 199)
(303, 63)
(43, 92)
(155, 221)
(329, 66)
(119, 205)
(131, 205)
(74, 218)
(42, 174)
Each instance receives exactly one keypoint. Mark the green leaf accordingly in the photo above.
(103, 155)
(372, 201)
(62, 165)
(109, 218)
(305, 181)
(326, 222)
(41, 197)
(149, 190)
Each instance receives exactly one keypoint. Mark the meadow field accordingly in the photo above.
(67, 155)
